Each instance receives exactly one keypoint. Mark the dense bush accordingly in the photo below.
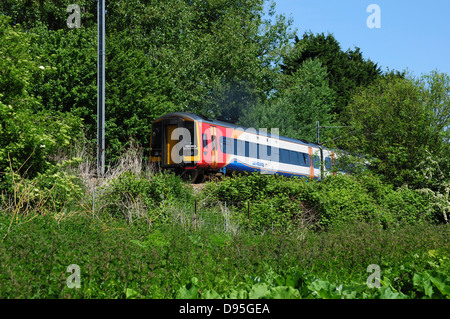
(345, 198)
(381, 126)
(28, 138)
(286, 203)
(132, 195)
(54, 191)
(275, 202)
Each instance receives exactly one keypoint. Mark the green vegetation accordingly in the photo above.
(346, 71)
(302, 99)
(401, 123)
(338, 199)
(143, 234)
(122, 260)
(145, 240)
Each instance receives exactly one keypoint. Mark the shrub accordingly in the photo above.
(285, 203)
(273, 202)
(342, 199)
(53, 191)
(365, 197)
(30, 139)
(136, 195)
(405, 205)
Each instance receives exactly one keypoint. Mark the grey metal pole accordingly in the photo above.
(226, 217)
(93, 201)
(317, 132)
(101, 90)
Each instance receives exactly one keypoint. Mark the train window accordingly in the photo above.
(223, 144)
(306, 159)
(302, 159)
(328, 163)
(316, 161)
(292, 157)
(205, 140)
(156, 136)
(190, 126)
(247, 149)
(275, 154)
(156, 139)
(233, 146)
(265, 151)
(253, 150)
(284, 158)
(240, 148)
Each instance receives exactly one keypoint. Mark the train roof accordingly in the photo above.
(204, 119)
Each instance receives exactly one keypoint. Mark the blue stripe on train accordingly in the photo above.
(241, 167)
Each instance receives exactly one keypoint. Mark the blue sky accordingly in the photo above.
(414, 35)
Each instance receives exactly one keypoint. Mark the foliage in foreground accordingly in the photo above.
(429, 284)
(122, 260)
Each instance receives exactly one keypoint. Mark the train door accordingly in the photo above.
(214, 144)
(311, 163)
(156, 145)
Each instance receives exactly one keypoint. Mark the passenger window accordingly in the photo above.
(293, 157)
(205, 141)
(306, 159)
(240, 148)
(284, 156)
(328, 164)
(316, 161)
(223, 143)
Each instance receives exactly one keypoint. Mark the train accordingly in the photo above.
(196, 148)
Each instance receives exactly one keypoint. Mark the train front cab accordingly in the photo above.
(174, 144)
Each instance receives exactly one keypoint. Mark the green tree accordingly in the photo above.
(69, 83)
(28, 138)
(400, 122)
(52, 13)
(303, 99)
(136, 92)
(215, 57)
(221, 55)
(347, 70)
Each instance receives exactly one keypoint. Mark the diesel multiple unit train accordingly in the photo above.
(197, 147)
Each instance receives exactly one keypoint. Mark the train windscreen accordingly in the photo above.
(156, 140)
